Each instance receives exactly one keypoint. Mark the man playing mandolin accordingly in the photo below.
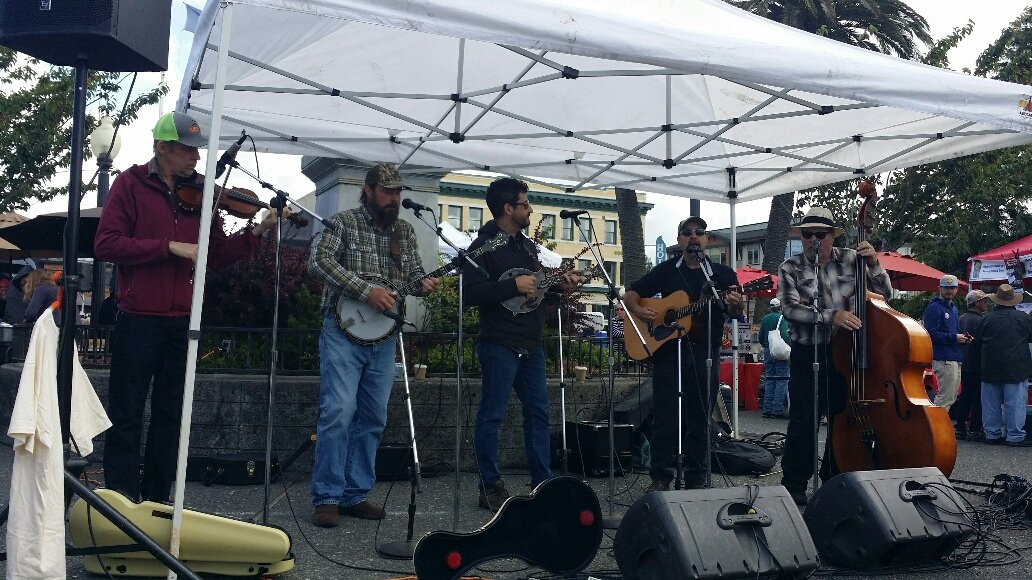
(356, 379)
(837, 306)
(685, 272)
(153, 241)
(509, 345)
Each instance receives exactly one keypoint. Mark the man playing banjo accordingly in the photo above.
(356, 379)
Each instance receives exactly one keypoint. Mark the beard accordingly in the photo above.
(385, 215)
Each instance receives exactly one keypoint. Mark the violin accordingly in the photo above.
(236, 201)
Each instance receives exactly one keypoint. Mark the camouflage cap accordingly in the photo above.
(385, 175)
(179, 127)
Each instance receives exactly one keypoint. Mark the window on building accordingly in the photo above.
(753, 256)
(610, 237)
(567, 229)
(584, 265)
(476, 218)
(548, 227)
(455, 216)
(610, 269)
(440, 210)
(718, 255)
(585, 226)
(793, 248)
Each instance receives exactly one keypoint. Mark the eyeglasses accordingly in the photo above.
(696, 231)
(525, 204)
(811, 234)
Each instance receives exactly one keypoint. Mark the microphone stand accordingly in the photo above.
(405, 550)
(816, 245)
(707, 272)
(462, 261)
(277, 203)
(679, 473)
(565, 452)
(610, 522)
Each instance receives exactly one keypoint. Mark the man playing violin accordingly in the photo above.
(356, 379)
(509, 345)
(153, 241)
(796, 289)
(685, 272)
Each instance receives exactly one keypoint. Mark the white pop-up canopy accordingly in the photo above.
(684, 97)
(657, 95)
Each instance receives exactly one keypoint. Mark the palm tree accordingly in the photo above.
(888, 26)
(632, 238)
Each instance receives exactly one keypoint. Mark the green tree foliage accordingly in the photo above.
(36, 123)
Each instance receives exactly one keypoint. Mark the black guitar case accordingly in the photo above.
(558, 527)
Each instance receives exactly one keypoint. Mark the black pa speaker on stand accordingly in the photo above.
(872, 519)
(111, 35)
(738, 532)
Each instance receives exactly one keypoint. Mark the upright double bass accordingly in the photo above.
(888, 421)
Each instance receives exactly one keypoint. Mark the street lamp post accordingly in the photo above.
(104, 143)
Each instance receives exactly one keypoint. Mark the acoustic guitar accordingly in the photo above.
(677, 308)
(362, 324)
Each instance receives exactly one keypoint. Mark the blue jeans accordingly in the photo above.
(775, 383)
(354, 387)
(504, 369)
(1003, 410)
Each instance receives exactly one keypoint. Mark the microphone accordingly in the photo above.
(397, 318)
(417, 207)
(693, 249)
(568, 213)
(229, 156)
(815, 244)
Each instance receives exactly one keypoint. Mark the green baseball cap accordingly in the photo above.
(180, 127)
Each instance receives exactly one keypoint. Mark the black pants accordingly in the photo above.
(148, 352)
(797, 461)
(695, 414)
(968, 408)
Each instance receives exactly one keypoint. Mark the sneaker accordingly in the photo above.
(976, 436)
(658, 485)
(767, 415)
(1026, 442)
(695, 481)
(996, 441)
(960, 434)
(492, 496)
(366, 510)
(325, 516)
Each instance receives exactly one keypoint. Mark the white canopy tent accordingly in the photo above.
(462, 240)
(685, 97)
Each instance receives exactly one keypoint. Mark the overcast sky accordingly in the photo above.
(990, 17)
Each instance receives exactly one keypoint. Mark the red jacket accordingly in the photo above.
(138, 221)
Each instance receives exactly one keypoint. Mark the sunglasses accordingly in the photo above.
(818, 235)
(696, 231)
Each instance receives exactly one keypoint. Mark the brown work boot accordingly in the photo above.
(493, 496)
(365, 510)
(658, 485)
(326, 516)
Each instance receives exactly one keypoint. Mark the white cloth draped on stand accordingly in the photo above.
(36, 523)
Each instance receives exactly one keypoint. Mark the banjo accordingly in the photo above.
(365, 325)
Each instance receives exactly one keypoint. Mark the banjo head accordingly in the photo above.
(362, 323)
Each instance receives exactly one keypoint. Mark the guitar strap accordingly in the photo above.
(395, 243)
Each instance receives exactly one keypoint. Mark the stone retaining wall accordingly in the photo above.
(230, 414)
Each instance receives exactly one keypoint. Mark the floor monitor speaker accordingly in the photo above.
(738, 532)
(873, 519)
(112, 35)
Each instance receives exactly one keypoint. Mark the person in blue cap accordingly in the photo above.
(942, 321)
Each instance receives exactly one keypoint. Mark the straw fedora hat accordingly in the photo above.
(1006, 296)
(817, 217)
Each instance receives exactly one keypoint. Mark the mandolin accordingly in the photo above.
(676, 308)
(523, 303)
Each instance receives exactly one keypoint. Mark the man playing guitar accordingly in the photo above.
(356, 379)
(509, 344)
(685, 273)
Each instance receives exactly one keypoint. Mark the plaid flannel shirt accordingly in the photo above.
(797, 284)
(356, 248)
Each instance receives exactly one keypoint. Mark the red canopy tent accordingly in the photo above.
(1022, 247)
(747, 274)
(907, 273)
